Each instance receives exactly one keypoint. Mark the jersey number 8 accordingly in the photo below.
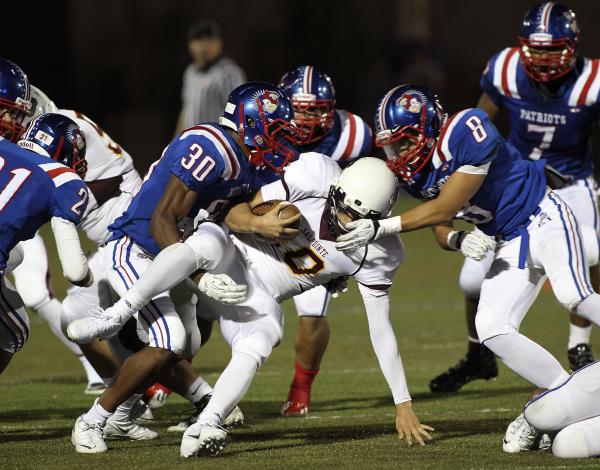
(474, 123)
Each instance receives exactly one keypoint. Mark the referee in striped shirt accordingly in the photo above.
(209, 79)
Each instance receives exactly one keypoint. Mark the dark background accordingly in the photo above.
(120, 61)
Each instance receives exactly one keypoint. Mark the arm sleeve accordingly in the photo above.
(377, 306)
(72, 259)
(309, 176)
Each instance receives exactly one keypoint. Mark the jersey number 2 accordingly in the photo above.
(19, 175)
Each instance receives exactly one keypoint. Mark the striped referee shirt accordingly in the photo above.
(205, 92)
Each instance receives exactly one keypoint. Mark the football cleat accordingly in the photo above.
(479, 363)
(233, 419)
(580, 356)
(87, 437)
(520, 436)
(156, 396)
(98, 324)
(141, 412)
(128, 430)
(203, 440)
(96, 388)
(292, 409)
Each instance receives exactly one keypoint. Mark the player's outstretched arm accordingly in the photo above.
(384, 342)
(72, 258)
(457, 191)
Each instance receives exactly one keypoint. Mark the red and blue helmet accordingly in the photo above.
(408, 122)
(14, 99)
(548, 41)
(263, 117)
(57, 137)
(313, 97)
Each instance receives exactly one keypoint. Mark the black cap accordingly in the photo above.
(204, 29)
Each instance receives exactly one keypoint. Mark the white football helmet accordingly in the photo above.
(366, 189)
(40, 104)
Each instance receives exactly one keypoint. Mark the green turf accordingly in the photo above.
(351, 423)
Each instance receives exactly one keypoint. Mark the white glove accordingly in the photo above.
(222, 288)
(364, 231)
(474, 245)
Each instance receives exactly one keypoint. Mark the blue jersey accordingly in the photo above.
(512, 189)
(349, 138)
(209, 162)
(555, 127)
(34, 189)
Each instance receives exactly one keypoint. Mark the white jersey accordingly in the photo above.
(110, 168)
(310, 259)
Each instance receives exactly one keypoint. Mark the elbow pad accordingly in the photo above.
(72, 258)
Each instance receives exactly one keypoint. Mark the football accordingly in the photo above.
(289, 210)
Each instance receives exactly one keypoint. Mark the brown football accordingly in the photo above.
(289, 210)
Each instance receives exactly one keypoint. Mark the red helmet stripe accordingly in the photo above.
(546, 15)
(386, 98)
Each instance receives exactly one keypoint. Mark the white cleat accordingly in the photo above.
(141, 413)
(520, 436)
(576, 399)
(98, 324)
(96, 388)
(203, 440)
(87, 437)
(233, 419)
(128, 430)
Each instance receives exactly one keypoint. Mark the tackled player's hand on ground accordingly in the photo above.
(222, 288)
(272, 226)
(409, 427)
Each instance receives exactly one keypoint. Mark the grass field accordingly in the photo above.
(351, 423)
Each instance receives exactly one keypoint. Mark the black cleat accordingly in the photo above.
(479, 363)
(580, 356)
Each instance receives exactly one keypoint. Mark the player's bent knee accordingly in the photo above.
(490, 324)
(35, 295)
(258, 345)
(570, 443)
(209, 244)
(471, 278)
(564, 288)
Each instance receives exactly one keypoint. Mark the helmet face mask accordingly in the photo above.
(407, 150)
(263, 117)
(313, 117)
(548, 41)
(313, 96)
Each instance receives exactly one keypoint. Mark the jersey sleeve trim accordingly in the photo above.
(505, 72)
(231, 165)
(475, 170)
(442, 153)
(58, 173)
(586, 88)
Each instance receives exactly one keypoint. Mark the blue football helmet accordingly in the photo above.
(548, 41)
(57, 137)
(313, 97)
(408, 121)
(263, 117)
(14, 100)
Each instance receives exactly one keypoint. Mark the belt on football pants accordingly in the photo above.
(521, 231)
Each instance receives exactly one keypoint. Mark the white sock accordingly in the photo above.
(527, 359)
(90, 372)
(179, 260)
(590, 309)
(578, 335)
(470, 339)
(230, 388)
(124, 409)
(51, 311)
(197, 390)
(97, 414)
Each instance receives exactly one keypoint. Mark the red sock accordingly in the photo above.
(301, 385)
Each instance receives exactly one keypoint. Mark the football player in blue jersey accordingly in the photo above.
(342, 136)
(462, 167)
(551, 96)
(41, 183)
(15, 101)
(201, 171)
